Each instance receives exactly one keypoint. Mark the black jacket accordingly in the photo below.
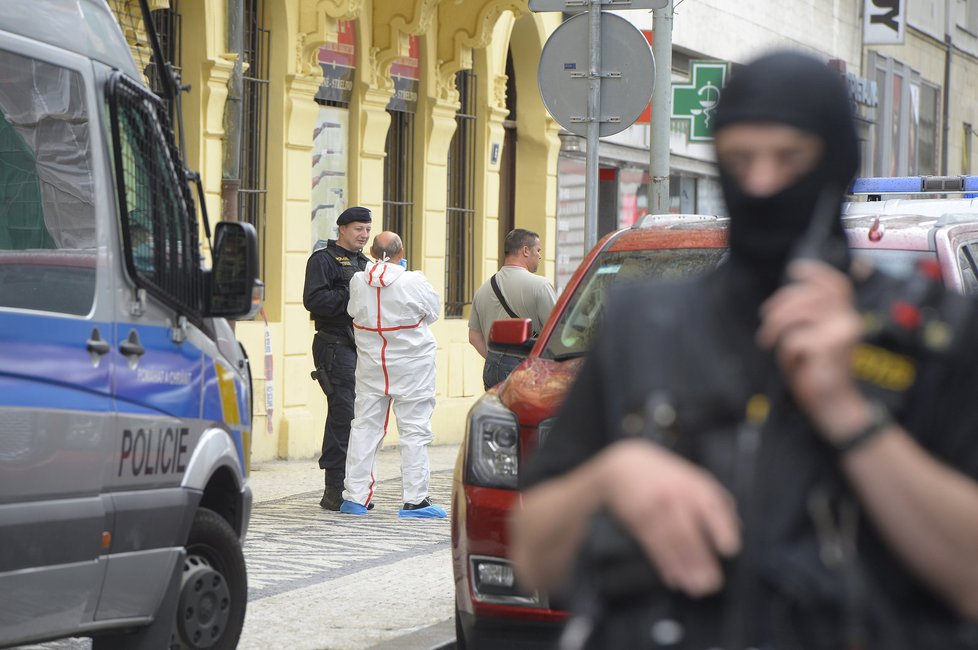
(327, 287)
(692, 344)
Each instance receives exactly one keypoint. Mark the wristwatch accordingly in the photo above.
(879, 419)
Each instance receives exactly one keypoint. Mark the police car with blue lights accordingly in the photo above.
(906, 220)
(125, 400)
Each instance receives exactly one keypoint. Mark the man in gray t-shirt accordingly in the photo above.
(528, 296)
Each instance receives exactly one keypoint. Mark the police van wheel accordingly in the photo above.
(214, 587)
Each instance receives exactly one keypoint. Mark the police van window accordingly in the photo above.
(47, 208)
(159, 229)
(582, 314)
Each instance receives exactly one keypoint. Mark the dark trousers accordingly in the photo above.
(340, 361)
(497, 368)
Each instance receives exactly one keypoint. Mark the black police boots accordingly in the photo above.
(333, 494)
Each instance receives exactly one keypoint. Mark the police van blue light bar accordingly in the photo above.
(915, 185)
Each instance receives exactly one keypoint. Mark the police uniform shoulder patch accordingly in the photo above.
(886, 369)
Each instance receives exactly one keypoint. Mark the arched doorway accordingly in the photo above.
(507, 163)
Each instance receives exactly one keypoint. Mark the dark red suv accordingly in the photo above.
(507, 423)
(509, 420)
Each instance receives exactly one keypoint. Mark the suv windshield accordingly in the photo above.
(582, 314)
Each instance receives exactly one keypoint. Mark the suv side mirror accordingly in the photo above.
(234, 288)
(512, 336)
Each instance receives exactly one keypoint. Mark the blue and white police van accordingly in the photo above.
(125, 400)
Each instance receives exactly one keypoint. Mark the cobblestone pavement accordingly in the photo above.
(320, 580)
(290, 545)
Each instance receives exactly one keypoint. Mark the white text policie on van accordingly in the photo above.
(154, 451)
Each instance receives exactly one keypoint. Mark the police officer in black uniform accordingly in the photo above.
(783, 453)
(325, 295)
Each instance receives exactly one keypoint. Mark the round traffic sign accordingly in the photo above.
(627, 68)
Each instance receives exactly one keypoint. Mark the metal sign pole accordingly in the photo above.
(593, 127)
(661, 112)
(621, 65)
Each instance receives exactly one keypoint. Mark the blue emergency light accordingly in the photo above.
(915, 185)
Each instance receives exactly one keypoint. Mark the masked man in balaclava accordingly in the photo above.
(778, 494)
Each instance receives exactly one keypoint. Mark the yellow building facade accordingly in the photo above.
(505, 168)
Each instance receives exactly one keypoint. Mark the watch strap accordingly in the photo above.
(879, 420)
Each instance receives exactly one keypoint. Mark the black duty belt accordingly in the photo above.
(333, 337)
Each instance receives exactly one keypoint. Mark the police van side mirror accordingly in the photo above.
(234, 288)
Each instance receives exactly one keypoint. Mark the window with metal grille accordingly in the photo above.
(168, 24)
(254, 123)
(399, 178)
(159, 225)
(460, 212)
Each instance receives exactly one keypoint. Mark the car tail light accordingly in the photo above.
(493, 438)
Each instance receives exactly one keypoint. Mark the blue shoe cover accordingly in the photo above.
(352, 508)
(428, 512)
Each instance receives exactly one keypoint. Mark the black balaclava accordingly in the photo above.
(793, 89)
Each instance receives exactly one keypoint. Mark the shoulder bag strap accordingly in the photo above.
(499, 295)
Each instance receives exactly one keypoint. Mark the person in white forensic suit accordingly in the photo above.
(391, 309)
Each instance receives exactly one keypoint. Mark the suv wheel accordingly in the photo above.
(213, 589)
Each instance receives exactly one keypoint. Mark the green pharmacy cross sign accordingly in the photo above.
(697, 101)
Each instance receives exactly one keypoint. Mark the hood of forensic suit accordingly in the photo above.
(383, 274)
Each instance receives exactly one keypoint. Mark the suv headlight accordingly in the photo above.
(494, 442)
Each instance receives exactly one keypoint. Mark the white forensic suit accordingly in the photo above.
(391, 310)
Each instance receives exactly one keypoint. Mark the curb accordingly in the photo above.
(440, 636)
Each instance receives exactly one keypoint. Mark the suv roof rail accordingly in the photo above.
(659, 219)
(915, 185)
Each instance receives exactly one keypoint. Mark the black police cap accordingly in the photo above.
(356, 213)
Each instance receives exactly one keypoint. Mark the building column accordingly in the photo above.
(370, 121)
(487, 192)
(301, 423)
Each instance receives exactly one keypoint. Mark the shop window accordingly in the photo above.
(682, 195)
(969, 134)
(571, 182)
(895, 122)
(927, 138)
(329, 169)
(906, 134)
(460, 211)
(331, 135)
(878, 145)
(253, 190)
